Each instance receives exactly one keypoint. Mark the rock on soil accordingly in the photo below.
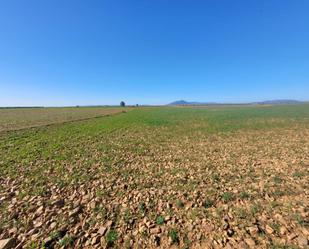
(7, 243)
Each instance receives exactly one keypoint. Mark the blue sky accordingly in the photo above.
(74, 52)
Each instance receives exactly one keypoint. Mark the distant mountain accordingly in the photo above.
(179, 102)
(267, 102)
(279, 102)
(183, 102)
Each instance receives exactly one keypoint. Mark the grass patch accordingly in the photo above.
(208, 203)
(111, 237)
(66, 241)
(160, 220)
(173, 234)
(244, 195)
(227, 197)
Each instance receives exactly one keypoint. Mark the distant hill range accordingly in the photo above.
(267, 102)
(279, 102)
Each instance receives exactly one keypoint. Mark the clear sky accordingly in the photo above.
(73, 52)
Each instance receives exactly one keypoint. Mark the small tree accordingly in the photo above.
(122, 104)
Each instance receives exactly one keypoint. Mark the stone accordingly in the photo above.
(269, 230)
(155, 230)
(75, 212)
(230, 232)
(142, 229)
(109, 223)
(7, 243)
(13, 230)
(95, 240)
(282, 230)
(250, 242)
(302, 241)
(40, 210)
(208, 229)
(33, 231)
(253, 230)
(53, 225)
(170, 241)
(93, 205)
(291, 236)
(103, 242)
(38, 224)
(102, 230)
(242, 245)
(226, 225)
(167, 218)
(228, 246)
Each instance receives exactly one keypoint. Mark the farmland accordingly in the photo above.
(168, 177)
(21, 118)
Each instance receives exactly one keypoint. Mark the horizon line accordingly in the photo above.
(188, 103)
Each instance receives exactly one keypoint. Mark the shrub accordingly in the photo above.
(160, 220)
(66, 241)
(174, 236)
(244, 195)
(111, 237)
(227, 196)
(208, 203)
(180, 204)
(142, 207)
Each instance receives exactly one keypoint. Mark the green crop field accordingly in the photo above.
(168, 177)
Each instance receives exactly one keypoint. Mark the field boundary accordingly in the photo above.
(60, 123)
